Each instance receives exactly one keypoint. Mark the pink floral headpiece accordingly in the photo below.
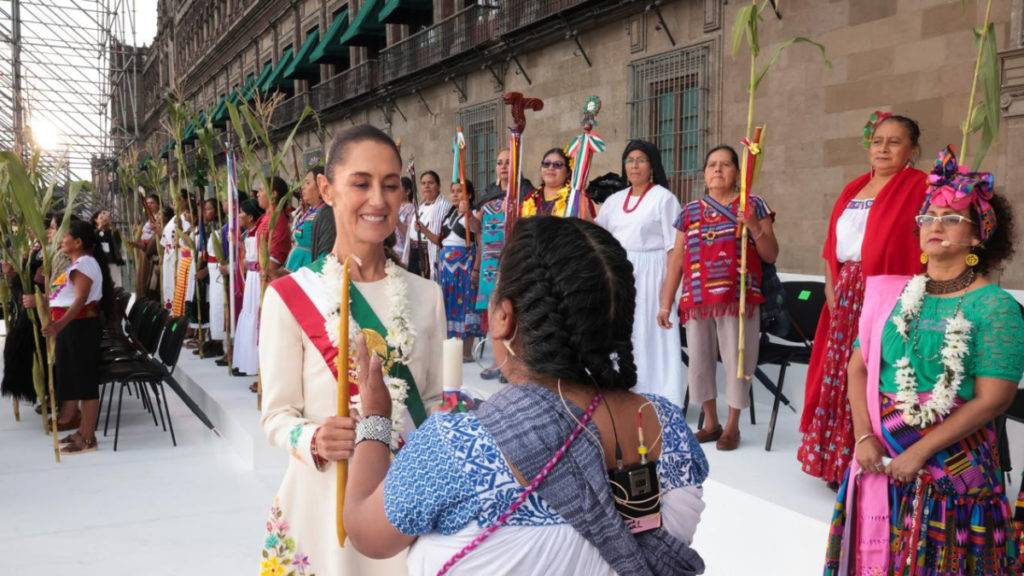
(954, 186)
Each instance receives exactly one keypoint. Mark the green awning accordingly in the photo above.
(275, 79)
(301, 67)
(406, 12)
(190, 133)
(267, 69)
(329, 49)
(220, 112)
(248, 85)
(166, 150)
(365, 30)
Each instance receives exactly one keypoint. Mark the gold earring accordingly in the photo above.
(971, 259)
(924, 258)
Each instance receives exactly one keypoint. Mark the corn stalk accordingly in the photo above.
(746, 28)
(253, 124)
(983, 117)
(33, 198)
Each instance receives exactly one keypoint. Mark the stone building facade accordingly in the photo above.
(663, 69)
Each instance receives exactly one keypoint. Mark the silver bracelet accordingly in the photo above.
(377, 428)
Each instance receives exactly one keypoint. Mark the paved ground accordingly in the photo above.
(154, 509)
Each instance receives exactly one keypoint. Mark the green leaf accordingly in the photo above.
(782, 48)
(24, 193)
(988, 71)
(740, 27)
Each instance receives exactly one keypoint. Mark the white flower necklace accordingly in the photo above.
(395, 348)
(954, 349)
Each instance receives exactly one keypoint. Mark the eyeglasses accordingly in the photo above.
(924, 220)
(556, 164)
(637, 161)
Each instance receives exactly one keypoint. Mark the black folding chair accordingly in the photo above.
(151, 374)
(804, 301)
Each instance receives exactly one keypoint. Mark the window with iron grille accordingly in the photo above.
(668, 102)
(480, 126)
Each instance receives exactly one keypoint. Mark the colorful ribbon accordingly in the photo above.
(954, 186)
(581, 152)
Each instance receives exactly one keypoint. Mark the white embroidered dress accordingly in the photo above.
(299, 392)
(647, 234)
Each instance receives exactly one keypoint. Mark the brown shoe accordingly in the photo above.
(704, 435)
(728, 442)
(78, 445)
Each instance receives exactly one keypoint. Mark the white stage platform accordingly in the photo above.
(200, 508)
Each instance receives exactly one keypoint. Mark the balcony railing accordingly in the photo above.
(464, 30)
(288, 112)
(351, 83)
(516, 14)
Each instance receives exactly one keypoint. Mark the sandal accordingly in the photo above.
(66, 426)
(79, 445)
(70, 438)
(253, 387)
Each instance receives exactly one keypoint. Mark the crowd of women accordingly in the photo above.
(918, 350)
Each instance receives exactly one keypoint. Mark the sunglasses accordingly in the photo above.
(556, 164)
(946, 220)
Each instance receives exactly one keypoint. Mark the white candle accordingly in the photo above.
(451, 365)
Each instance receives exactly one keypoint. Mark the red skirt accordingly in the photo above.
(828, 442)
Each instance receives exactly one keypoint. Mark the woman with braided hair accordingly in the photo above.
(487, 492)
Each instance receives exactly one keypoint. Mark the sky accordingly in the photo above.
(145, 21)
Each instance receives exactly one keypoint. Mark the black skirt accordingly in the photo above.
(76, 367)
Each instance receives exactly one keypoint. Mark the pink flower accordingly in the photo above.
(282, 526)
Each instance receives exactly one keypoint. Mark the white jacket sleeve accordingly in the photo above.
(281, 360)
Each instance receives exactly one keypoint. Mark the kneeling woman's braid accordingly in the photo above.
(573, 293)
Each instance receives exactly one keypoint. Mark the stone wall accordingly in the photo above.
(914, 57)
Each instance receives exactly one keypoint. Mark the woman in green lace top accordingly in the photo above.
(941, 355)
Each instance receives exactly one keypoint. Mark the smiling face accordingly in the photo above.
(553, 171)
(720, 171)
(960, 237)
(891, 149)
(366, 192)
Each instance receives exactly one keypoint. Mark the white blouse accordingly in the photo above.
(850, 229)
(648, 226)
(62, 291)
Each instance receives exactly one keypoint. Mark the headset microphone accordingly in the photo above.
(947, 244)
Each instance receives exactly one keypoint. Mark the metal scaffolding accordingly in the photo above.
(68, 80)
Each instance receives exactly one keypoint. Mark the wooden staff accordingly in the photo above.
(518, 105)
(747, 170)
(421, 250)
(343, 399)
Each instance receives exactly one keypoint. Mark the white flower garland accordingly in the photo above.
(954, 349)
(400, 333)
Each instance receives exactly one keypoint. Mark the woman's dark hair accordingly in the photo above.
(354, 135)
(600, 188)
(999, 248)
(909, 124)
(658, 175)
(407, 186)
(315, 170)
(467, 185)
(168, 213)
(86, 232)
(279, 188)
(251, 207)
(732, 154)
(432, 174)
(153, 197)
(571, 287)
(94, 217)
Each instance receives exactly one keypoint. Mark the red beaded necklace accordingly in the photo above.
(625, 202)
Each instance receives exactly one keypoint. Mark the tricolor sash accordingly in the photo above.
(299, 291)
